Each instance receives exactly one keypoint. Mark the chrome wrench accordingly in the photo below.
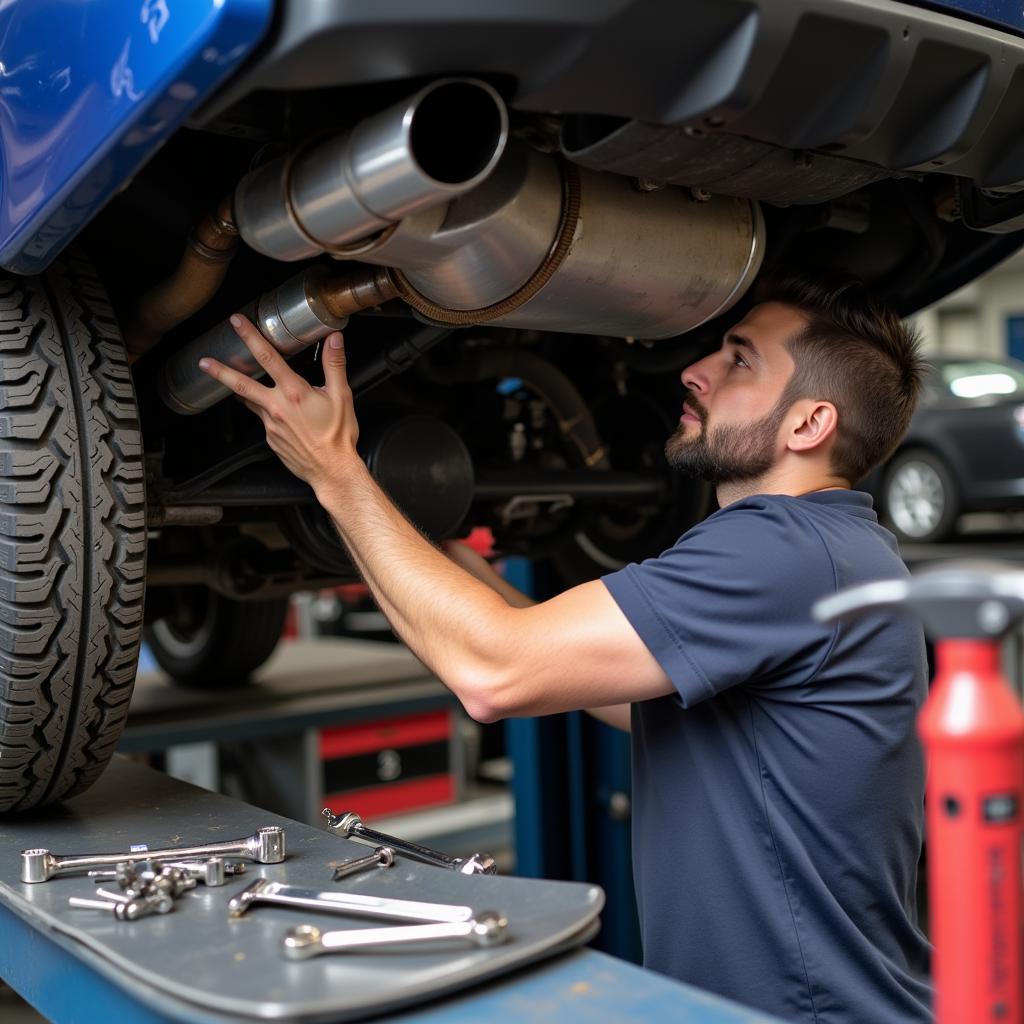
(211, 871)
(265, 845)
(125, 908)
(265, 891)
(488, 929)
(351, 826)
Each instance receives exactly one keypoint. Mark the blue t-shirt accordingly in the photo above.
(778, 794)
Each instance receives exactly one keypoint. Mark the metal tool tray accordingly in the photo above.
(228, 970)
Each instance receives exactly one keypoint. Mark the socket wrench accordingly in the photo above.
(265, 891)
(382, 857)
(212, 871)
(489, 928)
(125, 908)
(350, 825)
(265, 846)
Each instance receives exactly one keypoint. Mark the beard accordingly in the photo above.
(727, 453)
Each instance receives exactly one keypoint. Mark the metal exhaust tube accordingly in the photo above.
(200, 273)
(292, 317)
(432, 147)
(543, 245)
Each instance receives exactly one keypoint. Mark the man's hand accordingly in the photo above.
(313, 430)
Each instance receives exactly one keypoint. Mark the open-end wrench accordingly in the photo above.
(350, 825)
(265, 891)
(265, 845)
(382, 857)
(488, 928)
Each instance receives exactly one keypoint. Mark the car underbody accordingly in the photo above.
(527, 226)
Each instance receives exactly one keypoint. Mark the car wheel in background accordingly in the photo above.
(209, 640)
(72, 534)
(920, 497)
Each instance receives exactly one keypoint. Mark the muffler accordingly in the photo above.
(436, 145)
(546, 245)
(468, 229)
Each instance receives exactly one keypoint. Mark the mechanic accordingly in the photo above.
(778, 784)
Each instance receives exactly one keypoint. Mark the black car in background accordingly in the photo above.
(964, 451)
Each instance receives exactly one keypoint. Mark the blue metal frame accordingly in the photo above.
(583, 986)
(571, 775)
(89, 92)
(59, 985)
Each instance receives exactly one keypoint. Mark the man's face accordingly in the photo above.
(729, 430)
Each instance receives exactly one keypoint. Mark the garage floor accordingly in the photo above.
(14, 1010)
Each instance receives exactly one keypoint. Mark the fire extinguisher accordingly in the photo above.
(972, 728)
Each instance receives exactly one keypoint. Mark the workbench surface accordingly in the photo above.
(195, 965)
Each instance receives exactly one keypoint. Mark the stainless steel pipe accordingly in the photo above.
(431, 147)
(293, 316)
(640, 264)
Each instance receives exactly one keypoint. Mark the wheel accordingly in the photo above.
(920, 497)
(209, 640)
(72, 534)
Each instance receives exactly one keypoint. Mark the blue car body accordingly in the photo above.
(89, 90)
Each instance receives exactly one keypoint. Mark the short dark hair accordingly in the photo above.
(857, 354)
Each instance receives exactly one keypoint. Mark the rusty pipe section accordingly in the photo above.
(332, 196)
(348, 292)
(293, 316)
(199, 274)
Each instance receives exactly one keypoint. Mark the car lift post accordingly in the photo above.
(572, 789)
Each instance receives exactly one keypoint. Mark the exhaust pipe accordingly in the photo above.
(292, 317)
(467, 231)
(432, 147)
(200, 273)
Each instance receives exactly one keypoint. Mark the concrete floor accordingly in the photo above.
(14, 1010)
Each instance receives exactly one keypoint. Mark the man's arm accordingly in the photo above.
(478, 566)
(572, 652)
(616, 715)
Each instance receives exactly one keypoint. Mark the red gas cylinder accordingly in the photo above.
(972, 728)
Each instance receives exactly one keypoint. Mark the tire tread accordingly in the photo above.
(72, 534)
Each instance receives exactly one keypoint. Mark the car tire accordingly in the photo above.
(216, 642)
(920, 500)
(72, 534)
